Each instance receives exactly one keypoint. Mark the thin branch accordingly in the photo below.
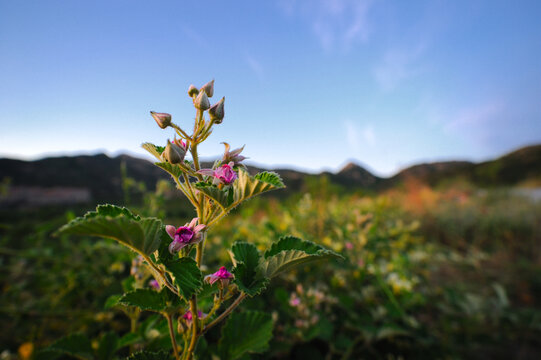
(226, 312)
(172, 335)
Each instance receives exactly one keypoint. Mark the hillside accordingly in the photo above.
(98, 178)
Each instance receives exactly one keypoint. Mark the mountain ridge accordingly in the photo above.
(87, 172)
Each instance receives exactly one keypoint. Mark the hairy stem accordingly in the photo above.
(195, 328)
(172, 335)
(226, 312)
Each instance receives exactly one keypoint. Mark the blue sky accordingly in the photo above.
(310, 84)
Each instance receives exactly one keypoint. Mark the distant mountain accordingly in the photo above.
(98, 178)
(355, 175)
(512, 169)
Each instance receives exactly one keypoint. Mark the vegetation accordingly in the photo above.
(444, 273)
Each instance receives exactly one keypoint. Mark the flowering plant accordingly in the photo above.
(173, 256)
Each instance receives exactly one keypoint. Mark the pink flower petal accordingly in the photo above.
(170, 229)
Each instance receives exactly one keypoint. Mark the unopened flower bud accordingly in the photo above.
(208, 88)
(217, 112)
(173, 153)
(202, 101)
(192, 91)
(162, 119)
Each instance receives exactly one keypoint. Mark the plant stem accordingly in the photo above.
(226, 312)
(172, 335)
(195, 332)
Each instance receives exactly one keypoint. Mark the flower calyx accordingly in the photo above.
(173, 153)
(233, 156)
(193, 91)
(201, 102)
(208, 88)
(162, 119)
(217, 112)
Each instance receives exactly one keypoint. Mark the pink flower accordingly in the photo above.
(180, 143)
(188, 316)
(349, 246)
(224, 174)
(294, 301)
(154, 284)
(222, 274)
(185, 235)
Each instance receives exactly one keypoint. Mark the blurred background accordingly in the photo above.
(408, 135)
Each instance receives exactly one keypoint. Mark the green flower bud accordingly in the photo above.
(202, 101)
(173, 153)
(192, 91)
(208, 88)
(216, 112)
(162, 119)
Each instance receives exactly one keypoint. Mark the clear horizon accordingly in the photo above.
(310, 85)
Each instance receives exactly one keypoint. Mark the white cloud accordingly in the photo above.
(398, 65)
(336, 23)
(358, 137)
(195, 37)
(368, 135)
(474, 118)
(254, 65)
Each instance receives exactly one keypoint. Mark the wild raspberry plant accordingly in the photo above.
(172, 257)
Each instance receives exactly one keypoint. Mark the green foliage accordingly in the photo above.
(246, 332)
(246, 258)
(142, 235)
(107, 346)
(186, 276)
(244, 252)
(289, 252)
(175, 170)
(112, 301)
(145, 299)
(219, 196)
(294, 243)
(77, 345)
(244, 188)
(270, 177)
(148, 355)
(247, 186)
(154, 150)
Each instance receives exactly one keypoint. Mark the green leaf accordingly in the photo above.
(270, 177)
(76, 345)
(293, 243)
(246, 186)
(289, 252)
(248, 280)
(112, 301)
(246, 258)
(147, 355)
(174, 170)
(219, 196)
(142, 235)
(246, 253)
(154, 150)
(129, 339)
(247, 332)
(144, 299)
(186, 276)
(114, 211)
(108, 346)
(287, 259)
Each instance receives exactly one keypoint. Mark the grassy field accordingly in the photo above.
(428, 273)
